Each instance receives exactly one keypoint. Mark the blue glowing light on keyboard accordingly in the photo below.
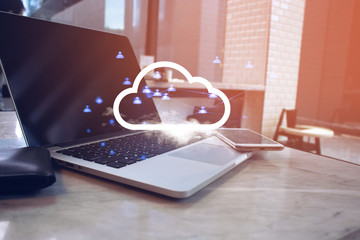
(111, 152)
(112, 121)
(88, 130)
(102, 144)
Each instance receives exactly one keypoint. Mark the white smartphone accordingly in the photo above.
(243, 139)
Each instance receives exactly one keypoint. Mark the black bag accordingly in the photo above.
(25, 169)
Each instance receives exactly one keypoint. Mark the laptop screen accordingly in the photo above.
(64, 79)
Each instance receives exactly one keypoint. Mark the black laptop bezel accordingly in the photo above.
(69, 142)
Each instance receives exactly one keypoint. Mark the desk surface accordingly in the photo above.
(274, 195)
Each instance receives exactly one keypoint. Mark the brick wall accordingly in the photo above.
(247, 27)
(283, 60)
(212, 33)
(268, 34)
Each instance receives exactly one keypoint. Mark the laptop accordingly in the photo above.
(63, 81)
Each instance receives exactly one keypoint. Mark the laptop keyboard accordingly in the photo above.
(123, 151)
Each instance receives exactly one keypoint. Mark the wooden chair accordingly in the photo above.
(295, 133)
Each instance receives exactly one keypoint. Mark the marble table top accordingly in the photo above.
(274, 195)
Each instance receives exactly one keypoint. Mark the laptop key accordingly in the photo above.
(92, 158)
(127, 161)
(116, 164)
(122, 159)
(119, 152)
(103, 160)
(68, 152)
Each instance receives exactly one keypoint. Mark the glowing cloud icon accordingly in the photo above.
(160, 126)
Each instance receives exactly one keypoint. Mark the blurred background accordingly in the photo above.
(266, 55)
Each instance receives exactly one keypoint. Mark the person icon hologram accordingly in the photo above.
(157, 93)
(99, 100)
(120, 55)
(137, 101)
(273, 75)
(146, 89)
(171, 88)
(87, 109)
(127, 82)
(157, 75)
(249, 65)
(213, 95)
(202, 110)
(165, 97)
(216, 60)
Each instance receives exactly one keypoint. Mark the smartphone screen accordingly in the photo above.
(245, 139)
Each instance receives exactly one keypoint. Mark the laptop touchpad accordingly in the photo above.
(208, 153)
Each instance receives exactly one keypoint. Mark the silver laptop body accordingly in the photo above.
(63, 81)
